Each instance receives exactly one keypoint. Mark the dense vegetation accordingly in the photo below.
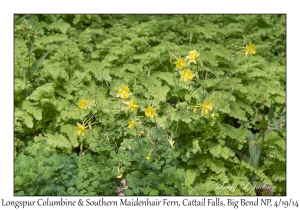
(149, 104)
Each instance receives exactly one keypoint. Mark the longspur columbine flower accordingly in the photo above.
(250, 49)
(150, 112)
(206, 106)
(119, 172)
(86, 124)
(80, 129)
(131, 124)
(180, 63)
(148, 156)
(131, 105)
(83, 104)
(192, 56)
(124, 92)
(186, 75)
(171, 142)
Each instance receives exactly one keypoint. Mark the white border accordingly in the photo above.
(154, 6)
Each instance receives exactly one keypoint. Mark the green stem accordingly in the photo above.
(137, 138)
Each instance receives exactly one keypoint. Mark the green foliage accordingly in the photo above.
(177, 152)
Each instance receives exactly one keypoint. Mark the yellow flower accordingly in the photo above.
(142, 133)
(148, 156)
(131, 105)
(212, 115)
(250, 49)
(80, 129)
(83, 104)
(180, 63)
(186, 75)
(119, 172)
(150, 112)
(171, 141)
(195, 110)
(131, 124)
(192, 56)
(206, 106)
(124, 92)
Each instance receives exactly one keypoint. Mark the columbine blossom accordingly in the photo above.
(250, 49)
(131, 124)
(171, 142)
(180, 63)
(83, 104)
(150, 112)
(131, 105)
(192, 56)
(206, 106)
(119, 172)
(124, 92)
(80, 129)
(186, 75)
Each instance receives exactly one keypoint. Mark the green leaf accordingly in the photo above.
(41, 170)
(154, 192)
(71, 190)
(250, 137)
(254, 151)
(271, 113)
(190, 177)
(61, 25)
(170, 170)
(95, 183)
(184, 191)
(24, 75)
(71, 133)
(20, 193)
(56, 141)
(33, 177)
(56, 161)
(48, 172)
(32, 109)
(280, 112)
(159, 92)
(49, 161)
(39, 62)
(263, 124)
(43, 94)
(18, 180)
(91, 189)
(30, 44)
(28, 120)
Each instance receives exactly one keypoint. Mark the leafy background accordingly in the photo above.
(58, 59)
